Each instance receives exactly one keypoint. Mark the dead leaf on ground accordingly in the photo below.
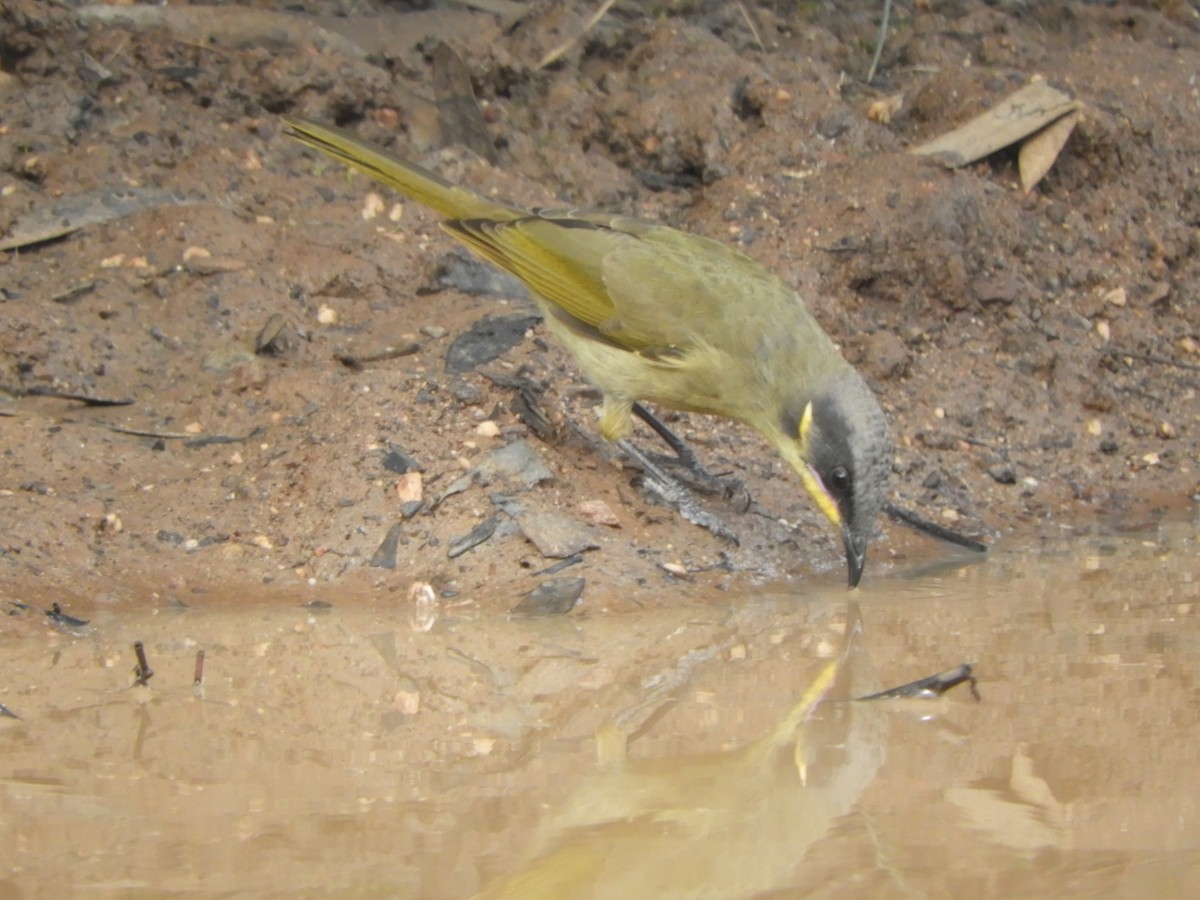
(234, 26)
(69, 214)
(1038, 153)
(1022, 115)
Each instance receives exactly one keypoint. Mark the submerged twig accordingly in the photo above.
(142, 672)
(933, 686)
(58, 617)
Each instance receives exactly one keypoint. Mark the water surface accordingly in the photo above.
(711, 751)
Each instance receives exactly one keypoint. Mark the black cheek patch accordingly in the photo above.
(832, 451)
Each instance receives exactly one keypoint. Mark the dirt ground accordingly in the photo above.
(1037, 353)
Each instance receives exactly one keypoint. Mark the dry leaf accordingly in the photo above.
(1026, 112)
(1038, 153)
(68, 214)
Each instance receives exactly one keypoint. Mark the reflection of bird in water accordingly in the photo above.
(724, 825)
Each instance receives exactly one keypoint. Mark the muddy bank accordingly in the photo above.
(1037, 354)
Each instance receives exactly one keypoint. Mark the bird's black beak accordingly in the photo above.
(856, 554)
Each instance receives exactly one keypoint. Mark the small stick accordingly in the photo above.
(933, 686)
(199, 677)
(570, 42)
(883, 30)
(933, 529)
(1157, 360)
(750, 24)
(142, 672)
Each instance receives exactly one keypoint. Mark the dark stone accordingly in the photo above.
(551, 598)
(486, 340)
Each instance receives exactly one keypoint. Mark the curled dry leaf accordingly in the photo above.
(1038, 153)
(1025, 113)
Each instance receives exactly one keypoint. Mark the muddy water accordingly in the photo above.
(703, 752)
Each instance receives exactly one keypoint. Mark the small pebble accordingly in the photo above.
(555, 597)
(1003, 474)
(468, 392)
(410, 488)
(408, 702)
(372, 207)
(597, 512)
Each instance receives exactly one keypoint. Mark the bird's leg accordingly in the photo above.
(674, 494)
(686, 457)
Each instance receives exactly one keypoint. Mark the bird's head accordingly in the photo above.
(838, 443)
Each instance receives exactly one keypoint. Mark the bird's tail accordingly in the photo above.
(408, 178)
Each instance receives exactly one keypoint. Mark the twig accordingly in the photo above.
(750, 24)
(1158, 360)
(933, 529)
(357, 362)
(568, 44)
(74, 293)
(142, 672)
(883, 30)
(52, 394)
(141, 432)
(933, 686)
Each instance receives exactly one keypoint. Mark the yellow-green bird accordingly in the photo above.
(652, 313)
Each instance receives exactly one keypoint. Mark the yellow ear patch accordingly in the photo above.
(805, 427)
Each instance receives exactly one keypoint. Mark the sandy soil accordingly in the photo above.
(1037, 354)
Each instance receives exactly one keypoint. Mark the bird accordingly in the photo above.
(653, 313)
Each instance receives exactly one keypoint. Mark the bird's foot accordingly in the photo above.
(674, 494)
(700, 478)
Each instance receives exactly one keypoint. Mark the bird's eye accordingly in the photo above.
(839, 480)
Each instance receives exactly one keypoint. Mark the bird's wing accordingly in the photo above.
(646, 288)
(560, 259)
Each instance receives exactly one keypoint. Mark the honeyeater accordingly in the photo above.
(653, 313)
